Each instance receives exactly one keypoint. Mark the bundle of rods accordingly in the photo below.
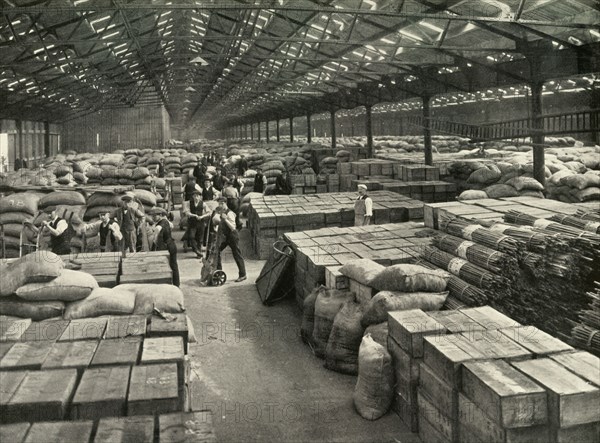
(473, 274)
(533, 241)
(592, 226)
(478, 234)
(487, 258)
(460, 290)
(586, 338)
(520, 218)
(588, 215)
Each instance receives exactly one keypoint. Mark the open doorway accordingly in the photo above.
(3, 152)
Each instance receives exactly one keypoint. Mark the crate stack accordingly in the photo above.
(475, 375)
(175, 185)
(104, 266)
(320, 253)
(272, 216)
(87, 369)
(305, 183)
(146, 267)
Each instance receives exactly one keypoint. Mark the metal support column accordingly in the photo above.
(251, 131)
(277, 121)
(47, 139)
(267, 131)
(333, 140)
(308, 129)
(369, 130)
(291, 129)
(427, 131)
(537, 124)
(258, 126)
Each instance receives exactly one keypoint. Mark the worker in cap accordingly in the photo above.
(197, 214)
(108, 229)
(363, 207)
(61, 232)
(163, 240)
(130, 218)
(230, 237)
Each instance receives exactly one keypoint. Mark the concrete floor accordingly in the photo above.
(253, 371)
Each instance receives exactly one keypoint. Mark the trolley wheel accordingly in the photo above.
(218, 278)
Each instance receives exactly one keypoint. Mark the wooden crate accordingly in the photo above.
(581, 363)
(536, 341)
(175, 326)
(102, 392)
(125, 429)
(158, 350)
(26, 355)
(118, 351)
(362, 292)
(408, 328)
(456, 321)
(408, 413)
(9, 383)
(11, 329)
(441, 393)
(445, 426)
(569, 396)
(490, 318)
(405, 366)
(121, 326)
(60, 432)
(475, 421)
(45, 330)
(198, 424)
(508, 397)
(4, 348)
(153, 389)
(14, 433)
(495, 345)
(71, 354)
(159, 275)
(588, 433)
(84, 329)
(42, 395)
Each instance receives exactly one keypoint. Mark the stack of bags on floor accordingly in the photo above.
(349, 328)
(38, 286)
(14, 210)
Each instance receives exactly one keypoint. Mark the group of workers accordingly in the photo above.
(119, 231)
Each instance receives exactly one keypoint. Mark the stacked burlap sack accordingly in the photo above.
(351, 335)
(38, 286)
(15, 209)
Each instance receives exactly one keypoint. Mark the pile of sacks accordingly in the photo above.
(351, 333)
(572, 175)
(15, 209)
(38, 286)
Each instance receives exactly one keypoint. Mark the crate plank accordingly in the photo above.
(456, 321)
(102, 392)
(4, 348)
(440, 392)
(195, 426)
(71, 354)
(408, 329)
(60, 432)
(9, 383)
(125, 429)
(495, 345)
(45, 330)
(175, 325)
(444, 425)
(14, 433)
(153, 389)
(121, 326)
(26, 355)
(408, 413)
(43, 395)
(589, 433)
(149, 277)
(506, 395)
(569, 396)
(490, 318)
(118, 351)
(84, 329)
(536, 341)
(581, 363)
(405, 366)
(12, 329)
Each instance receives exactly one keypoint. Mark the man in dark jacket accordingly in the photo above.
(208, 192)
(230, 237)
(242, 166)
(260, 181)
(198, 172)
(219, 180)
(129, 217)
(61, 233)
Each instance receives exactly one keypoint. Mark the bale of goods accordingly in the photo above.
(308, 315)
(410, 278)
(68, 286)
(374, 389)
(58, 198)
(486, 175)
(102, 301)
(14, 217)
(376, 310)
(164, 297)
(140, 172)
(26, 202)
(37, 267)
(525, 183)
(500, 191)
(378, 332)
(146, 197)
(341, 353)
(327, 305)
(35, 310)
(472, 195)
(362, 270)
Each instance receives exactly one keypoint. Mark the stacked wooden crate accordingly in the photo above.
(475, 375)
(93, 368)
(305, 183)
(175, 185)
(163, 428)
(320, 253)
(104, 266)
(271, 216)
(146, 267)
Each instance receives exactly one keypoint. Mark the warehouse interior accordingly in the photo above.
(307, 220)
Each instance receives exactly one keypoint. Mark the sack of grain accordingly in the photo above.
(308, 314)
(379, 333)
(530, 193)
(362, 270)
(327, 305)
(591, 160)
(411, 278)
(376, 310)
(14, 217)
(587, 194)
(374, 389)
(580, 181)
(472, 195)
(164, 297)
(68, 286)
(104, 199)
(70, 198)
(102, 301)
(525, 183)
(146, 197)
(35, 310)
(500, 191)
(37, 267)
(20, 202)
(341, 353)
(556, 178)
(484, 176)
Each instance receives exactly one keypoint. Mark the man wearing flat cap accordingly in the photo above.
(363, 207)
(164, 239)
(60, 231)
(197, 214)
(129, 216)
(230, 237)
